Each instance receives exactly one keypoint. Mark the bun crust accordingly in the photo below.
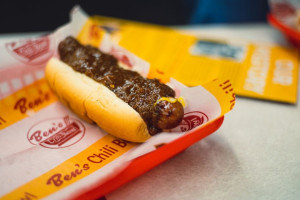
(94, 102)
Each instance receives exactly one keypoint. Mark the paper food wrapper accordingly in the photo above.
(46, 150)
(287, 11)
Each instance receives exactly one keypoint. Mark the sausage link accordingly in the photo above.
(168, 114)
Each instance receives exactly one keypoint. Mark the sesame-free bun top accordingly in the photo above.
(94, 102)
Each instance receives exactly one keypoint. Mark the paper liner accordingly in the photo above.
(47, 151)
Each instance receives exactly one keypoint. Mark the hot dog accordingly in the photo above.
(120, 101)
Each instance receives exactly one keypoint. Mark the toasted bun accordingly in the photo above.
(94, 102)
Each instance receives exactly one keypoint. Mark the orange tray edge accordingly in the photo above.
(146, 162)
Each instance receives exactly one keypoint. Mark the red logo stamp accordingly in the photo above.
(56, 133)
(33, 51)
(191, 120)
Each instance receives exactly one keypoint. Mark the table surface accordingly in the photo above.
(254, 155)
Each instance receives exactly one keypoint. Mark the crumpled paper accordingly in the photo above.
(46, 150)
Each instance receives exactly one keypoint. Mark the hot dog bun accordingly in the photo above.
(94, 102)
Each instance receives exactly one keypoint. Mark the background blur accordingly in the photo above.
(35, 16)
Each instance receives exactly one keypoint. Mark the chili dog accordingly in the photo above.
(122, 102)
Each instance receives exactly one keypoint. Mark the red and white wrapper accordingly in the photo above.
(23, 160)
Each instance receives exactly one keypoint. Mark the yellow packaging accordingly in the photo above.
(261, 71)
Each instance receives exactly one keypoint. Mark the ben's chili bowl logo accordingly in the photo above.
(56, 133)
(190, 121)
(32, 51)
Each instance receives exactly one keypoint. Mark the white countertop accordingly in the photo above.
(254, 155)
